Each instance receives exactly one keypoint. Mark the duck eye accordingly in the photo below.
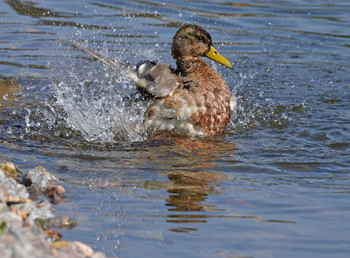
(200, 38)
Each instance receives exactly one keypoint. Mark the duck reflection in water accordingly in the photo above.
(190, 181)
(190, 190)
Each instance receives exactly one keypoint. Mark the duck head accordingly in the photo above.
(193, 41)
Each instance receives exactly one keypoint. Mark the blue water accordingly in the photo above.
(275, 184)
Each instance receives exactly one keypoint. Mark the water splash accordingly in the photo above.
(256, 107)
(93, 103)
(82, 102)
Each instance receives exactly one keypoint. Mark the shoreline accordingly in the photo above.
(27, 227)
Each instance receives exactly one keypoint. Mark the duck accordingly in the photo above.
(190, 100)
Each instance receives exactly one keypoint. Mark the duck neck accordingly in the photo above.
(186, 64)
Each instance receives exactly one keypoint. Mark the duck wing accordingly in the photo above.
(157, 80)
(151, 79)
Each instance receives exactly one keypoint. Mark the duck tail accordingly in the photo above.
(98, 57)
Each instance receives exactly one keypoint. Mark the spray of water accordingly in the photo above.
(94, 103)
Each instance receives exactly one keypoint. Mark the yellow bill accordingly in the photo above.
(214, 55)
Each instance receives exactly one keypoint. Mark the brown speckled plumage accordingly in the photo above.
(194, 100)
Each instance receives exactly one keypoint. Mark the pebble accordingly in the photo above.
(56, 193)
(10, 189)
(10, 169)
(39, 178)
(61, 222)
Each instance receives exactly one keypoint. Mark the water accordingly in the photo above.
(275, 184)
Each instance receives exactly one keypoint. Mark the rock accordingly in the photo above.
(9, 169)
(54, 235)
(81, 249)
(38, 177)
(3, 205)
(56, 190)
(19, 241)
(56, 193)
(11, 189)
(61, 222)
(99, 255)
(10, 218)
(33, 212)
(74, 250)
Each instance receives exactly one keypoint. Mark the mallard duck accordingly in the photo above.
(191, 100)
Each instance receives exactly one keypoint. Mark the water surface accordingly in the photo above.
(275, 184)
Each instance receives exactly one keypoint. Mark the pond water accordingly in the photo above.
(275, 184)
